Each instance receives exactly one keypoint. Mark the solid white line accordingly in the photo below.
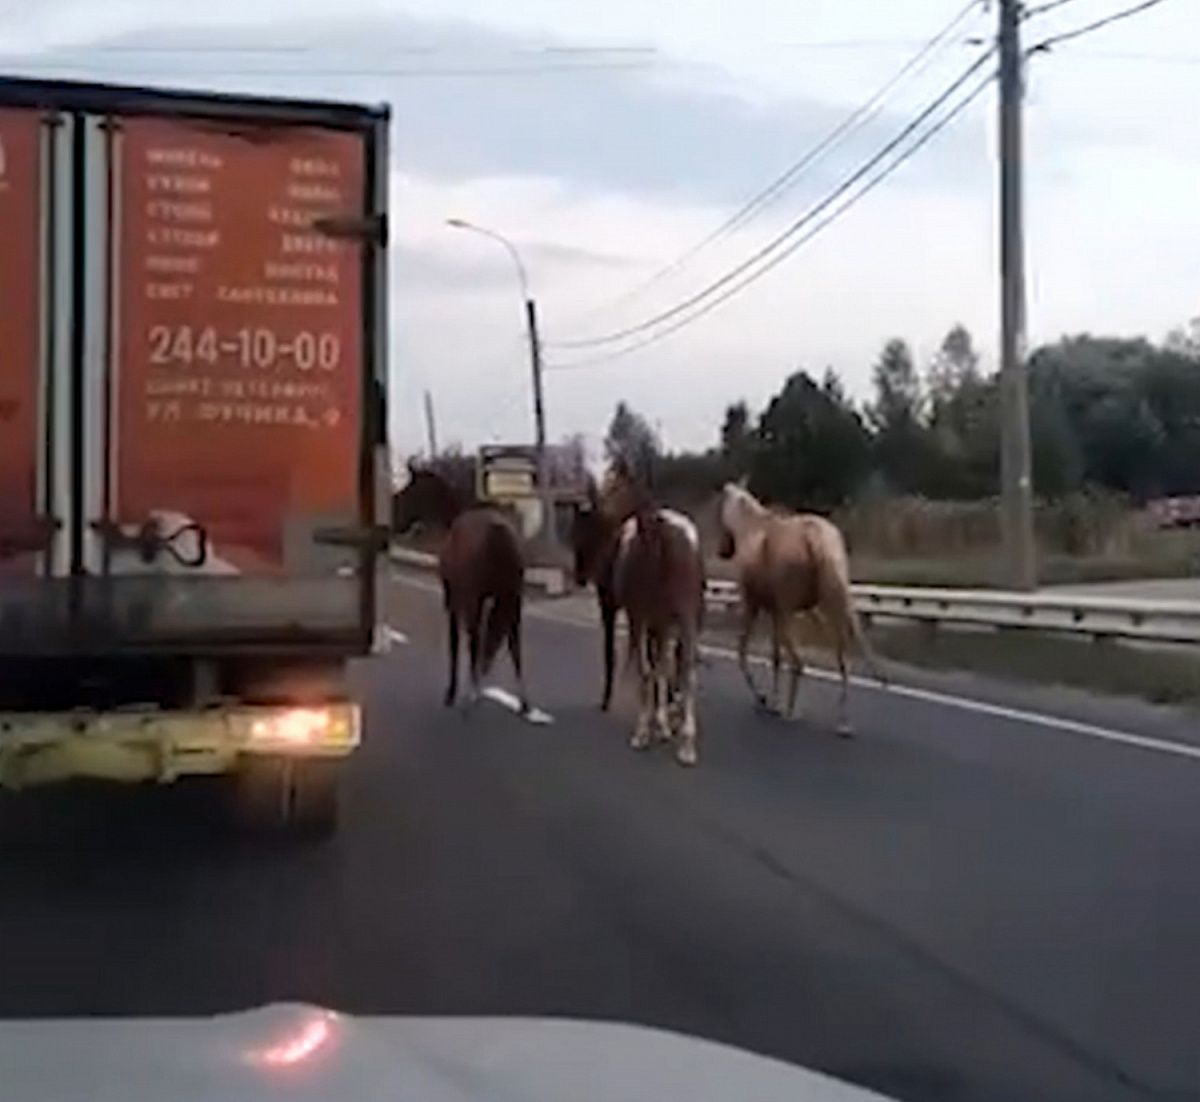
(965, 704)
(999, 711)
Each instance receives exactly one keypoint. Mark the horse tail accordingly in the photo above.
(492, 630)
(652, 530)
(848, 625)
(502, 609)
(831, 553)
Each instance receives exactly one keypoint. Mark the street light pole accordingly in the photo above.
(549, 526)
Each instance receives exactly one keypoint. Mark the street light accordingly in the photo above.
(535, 359)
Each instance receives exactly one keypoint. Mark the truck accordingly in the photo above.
(194, 480)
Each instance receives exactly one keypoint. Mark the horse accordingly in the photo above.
(594, 540)
(657, 577)
(790, 563)
(482, 570)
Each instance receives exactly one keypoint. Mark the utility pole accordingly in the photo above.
(549, 527)
(430, 425)
(1016, 462)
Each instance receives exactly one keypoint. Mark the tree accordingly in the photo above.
(737, 439)
(955, 366)
(811, 449)
(1185, 341)
(903, 447)
(630, 439)
(897, 404)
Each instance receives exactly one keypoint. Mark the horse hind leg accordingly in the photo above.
(475, 627)
(452, 683)
(608, 619)
(662, 690)
(749, 621)
(686, 752)
(842, 632)
(514, 652)
(639, 644)
(795, 664)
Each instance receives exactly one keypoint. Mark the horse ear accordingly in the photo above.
(743, 483)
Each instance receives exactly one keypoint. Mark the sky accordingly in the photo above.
(606, 141)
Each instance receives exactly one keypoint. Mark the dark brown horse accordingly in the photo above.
(482, 569)
(657, 577)
(594, 538)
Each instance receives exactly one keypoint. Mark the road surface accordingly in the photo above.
(960, 904)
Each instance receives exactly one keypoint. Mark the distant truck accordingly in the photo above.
(193, 476)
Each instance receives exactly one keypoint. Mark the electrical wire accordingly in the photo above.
(796, 227)
(1042, 9)
(774, 262)
(782, 183)
(307, 73)
(1068, 36)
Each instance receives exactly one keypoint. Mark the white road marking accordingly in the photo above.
(999, 711)
(417, 583)
(980, 707)
(507, 700)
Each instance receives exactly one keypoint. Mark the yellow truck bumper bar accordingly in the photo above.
(138, 746)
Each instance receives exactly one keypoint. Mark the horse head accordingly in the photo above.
(734, 502)
(426, 499)
(624, 492)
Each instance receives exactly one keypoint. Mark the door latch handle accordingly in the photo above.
(151, 539)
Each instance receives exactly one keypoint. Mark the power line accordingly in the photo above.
(797, 226)
(1088, 28)
(782, 183)
(191, 48)
(1042, 9)
(357, 71)
(775, 261)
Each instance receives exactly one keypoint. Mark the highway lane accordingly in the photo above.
(953, 906)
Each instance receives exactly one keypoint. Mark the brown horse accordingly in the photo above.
(594, 539)
(657, 577)
(482, 570)
(790, 563)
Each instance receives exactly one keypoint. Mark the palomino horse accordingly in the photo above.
(790, 563)
(657, 577)
(482, 571)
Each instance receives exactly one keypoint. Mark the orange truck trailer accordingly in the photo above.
(193, 474)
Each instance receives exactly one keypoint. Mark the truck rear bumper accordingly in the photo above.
(133, 747)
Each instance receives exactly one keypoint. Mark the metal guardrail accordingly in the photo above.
(549, 578)
(1098, 617)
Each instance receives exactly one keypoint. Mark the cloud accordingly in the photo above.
(470, 102)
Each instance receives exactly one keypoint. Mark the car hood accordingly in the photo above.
(302, 1052)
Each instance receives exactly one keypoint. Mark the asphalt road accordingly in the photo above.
(956, 905)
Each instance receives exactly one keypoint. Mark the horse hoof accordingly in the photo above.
(640, 742)
(686, 754)
(844, 730)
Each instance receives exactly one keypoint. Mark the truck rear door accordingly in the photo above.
(205, 363)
